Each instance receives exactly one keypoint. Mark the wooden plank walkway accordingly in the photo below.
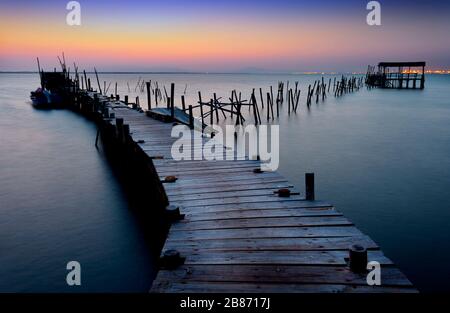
(238, 236)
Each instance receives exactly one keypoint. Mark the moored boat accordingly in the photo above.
(45, 98)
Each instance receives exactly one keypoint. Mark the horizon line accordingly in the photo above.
(198, 72)
(440, 71)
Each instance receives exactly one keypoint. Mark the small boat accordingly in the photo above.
(44, 98)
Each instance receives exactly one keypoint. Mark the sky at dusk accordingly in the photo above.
(223, 36)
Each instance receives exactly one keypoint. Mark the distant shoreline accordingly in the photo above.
(215, 73)
(204, 73)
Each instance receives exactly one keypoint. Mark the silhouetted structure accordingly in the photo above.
(400, 75)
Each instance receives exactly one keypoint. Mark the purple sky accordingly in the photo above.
(288, 36)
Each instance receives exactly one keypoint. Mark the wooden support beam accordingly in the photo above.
(149, 98)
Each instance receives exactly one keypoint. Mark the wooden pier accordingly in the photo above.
(235, 228)
(402, 77)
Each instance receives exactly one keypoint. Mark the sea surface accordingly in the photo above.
(382, 157)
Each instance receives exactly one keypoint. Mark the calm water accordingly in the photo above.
(59, 201)
(382, 157)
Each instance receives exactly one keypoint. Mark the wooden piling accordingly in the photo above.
(201, 109)
(183, 105)
(172, 100)
(216, 108)
(149, 98)
(309, 186)
(98, 81)
(191, 117)
(211, 113)
(262, 99)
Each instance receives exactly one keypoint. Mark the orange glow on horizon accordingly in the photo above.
(193, 43)
(198, 42)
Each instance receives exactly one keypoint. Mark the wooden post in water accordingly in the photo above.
(172, 100)
(310, 94)
(271, 102)
(149, 98)
(201, 108)
(288, 96)
(40, 73)
(166, 96)
(126, 100)
(287, 90)
(278, 106)
(239, 120)
(422, 79)
(297, 99)
(293, 95)
(85, 79)
(216, 108)
(191, 118)
(232, 104)
(262, 99)
(253, 102)
(183, 104)
(98, 81)
(211, 113)
(317, 92)
(309, 186)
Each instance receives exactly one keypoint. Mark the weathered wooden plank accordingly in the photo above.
(325, 257)
(200, 183)
(279, 232)
(204, 163)
(252, 213)
(180, 191)
(258, 222)
(208, 172)
(282, 274)
(201, 170)
(270, 197)
(270, 244)
(313, 206)
(236, 177)
(225, 194)
(224, 287)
